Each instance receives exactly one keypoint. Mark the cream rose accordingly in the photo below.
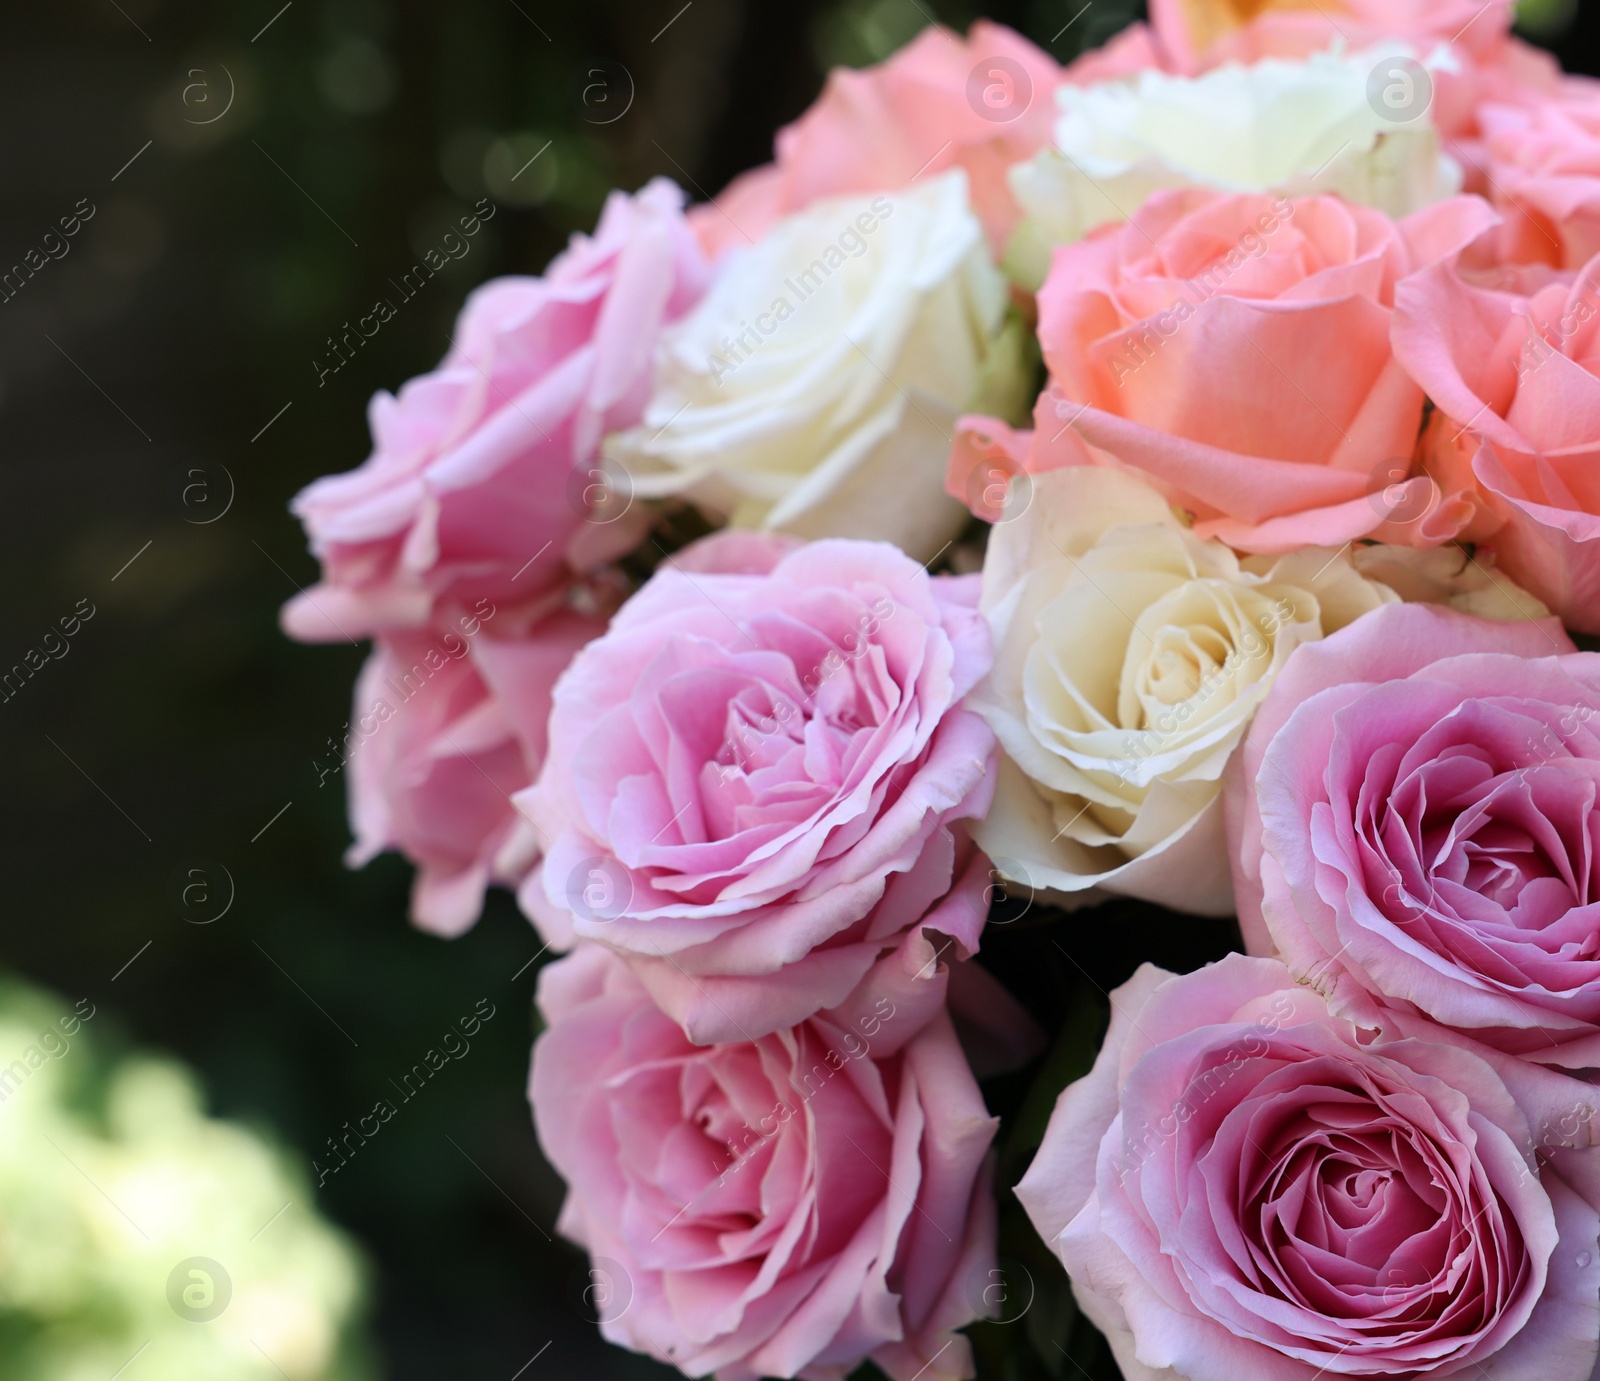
(816, 387)
(1129, 658)
(1295, 127)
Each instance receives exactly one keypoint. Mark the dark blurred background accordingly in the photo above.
(257, 173)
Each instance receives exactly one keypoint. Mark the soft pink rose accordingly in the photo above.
(1515, 374)
(1543, 165)
(1429, 838)
(483, 482)
(1235, 349)
(1248, 1188)
(447, 724)
(784, 1206)
(752, 778)
(982, 103)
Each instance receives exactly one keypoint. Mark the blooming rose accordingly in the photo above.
(752, 776)
(1245, 1187)
(1543, 164)
(446, 726)
(480, 467)
(1196, 31)
(1129, 657)
(783, 1206)
(1484, 63)
(979, 104)
(1427, 827)
(814, 389)
(1235, 349)
(1292, 127)
(1515, 376)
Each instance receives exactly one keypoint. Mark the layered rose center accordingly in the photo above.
(731, 750)
(724, 1175)
(1335, 1211)
(1481, 839)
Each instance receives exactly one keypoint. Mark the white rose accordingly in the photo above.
(1130, 656)
(1448, 576)
(1293, 127)
(815, 388)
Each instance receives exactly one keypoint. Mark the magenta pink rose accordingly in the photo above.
(752, 777)
(1513, 369)
(446, 726)
(1428, 795)
(786, 1206)
(484, 481)
(1246, 1187)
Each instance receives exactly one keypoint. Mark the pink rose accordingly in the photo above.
(1543, 162)
(1246, 1188)
(752, 777)
(785, 1206)
(982, 103)
(446, 726)
(1515, 374)
(484, 478)
(1235, 349)
(1429, 839)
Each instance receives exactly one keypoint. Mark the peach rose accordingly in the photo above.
(1235, 350)
(1543, 164)
(1515, 377)
(981, 103)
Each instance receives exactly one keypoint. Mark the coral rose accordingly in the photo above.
(784, 1206)
(1235, 349)
(1514, 373)
(1246, 1186)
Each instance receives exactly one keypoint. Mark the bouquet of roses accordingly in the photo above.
(1172, 478)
